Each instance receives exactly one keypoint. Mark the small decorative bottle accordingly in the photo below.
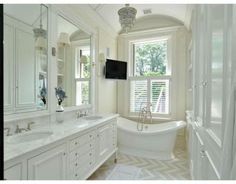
(60, 113)
(61, 95)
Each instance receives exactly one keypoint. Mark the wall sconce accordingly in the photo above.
(102, 58)
(102, 61)
(64, 39)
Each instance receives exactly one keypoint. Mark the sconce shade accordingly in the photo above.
(40, 43)
(83, 59)
(64, 39)
(101, 57)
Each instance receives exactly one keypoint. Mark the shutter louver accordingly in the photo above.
(160, 96)
(138, 94)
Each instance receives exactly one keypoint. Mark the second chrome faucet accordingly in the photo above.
(19, 130)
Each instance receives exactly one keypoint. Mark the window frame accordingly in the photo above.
(168, 76)
(83, 79)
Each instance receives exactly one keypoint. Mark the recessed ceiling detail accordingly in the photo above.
(147, 11)
(108, 12)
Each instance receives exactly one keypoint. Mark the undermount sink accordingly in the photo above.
(93, 117)
(27, 137)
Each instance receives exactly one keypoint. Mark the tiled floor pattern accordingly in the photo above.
(151, 169)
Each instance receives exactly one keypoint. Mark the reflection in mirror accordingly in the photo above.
(25, 57)
(73, 63)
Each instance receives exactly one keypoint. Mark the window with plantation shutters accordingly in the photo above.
(151, 78)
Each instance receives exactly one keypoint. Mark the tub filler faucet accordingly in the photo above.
(144, 112)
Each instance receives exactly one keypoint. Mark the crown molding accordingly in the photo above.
(188, 16)
(150, 31)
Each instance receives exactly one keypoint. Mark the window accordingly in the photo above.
(83, 67)
(151, 77)
(150, 58)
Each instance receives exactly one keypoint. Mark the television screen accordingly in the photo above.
(115, 69)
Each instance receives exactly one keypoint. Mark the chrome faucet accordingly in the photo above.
(8, 131)
(79, 114)
(19, 130)
(29, 125)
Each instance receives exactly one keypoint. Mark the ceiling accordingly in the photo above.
(108, 12)
(65, 26)
(26, 13)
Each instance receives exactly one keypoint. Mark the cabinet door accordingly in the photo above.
(200, 64)
(104, 140)
(217, 68)
(13, 173)
(25, 70)
(50, 165)
(8, 67)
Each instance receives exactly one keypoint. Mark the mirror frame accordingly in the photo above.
(75, 19)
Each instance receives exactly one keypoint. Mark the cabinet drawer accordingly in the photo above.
(74, 166)
(73, 156)
(86, 138)
(74, 143)
(85, 168)
(80, 167)
(74, 175)
(86, 147)
(86, 158)
(79, 141)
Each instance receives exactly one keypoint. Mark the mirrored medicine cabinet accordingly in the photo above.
(25, 58)
(27, 54)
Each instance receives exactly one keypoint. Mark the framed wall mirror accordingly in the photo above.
(73, 63)
(25, 58)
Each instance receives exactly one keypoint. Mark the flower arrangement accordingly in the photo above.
(43, 95)
(60, 94)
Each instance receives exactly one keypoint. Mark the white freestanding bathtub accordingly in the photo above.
(156, 141)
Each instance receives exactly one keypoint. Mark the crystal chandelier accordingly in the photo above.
(127, 17)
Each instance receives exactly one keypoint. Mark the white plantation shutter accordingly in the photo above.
(138, 94)
(151, 90)
(160, 96)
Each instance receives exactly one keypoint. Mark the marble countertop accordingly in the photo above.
(60, 131)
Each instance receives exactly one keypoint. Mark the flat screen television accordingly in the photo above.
(115, 69)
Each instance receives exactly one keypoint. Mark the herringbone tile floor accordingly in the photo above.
(151, 169)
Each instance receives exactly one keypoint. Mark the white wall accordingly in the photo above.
(106, 88)
(179, 34)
